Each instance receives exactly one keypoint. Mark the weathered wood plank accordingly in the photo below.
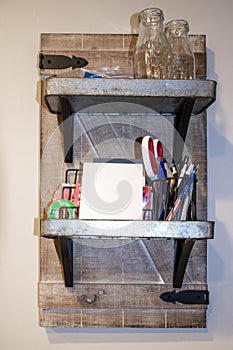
(118, 134)
(110, 296)
(59, 41)
(60, 318)
(103, 318)
(186, 319)
(50, 267)
(140, 318)
(108, 261)
(165, 318)
(94, 47)
(118, 62)
(103, 42)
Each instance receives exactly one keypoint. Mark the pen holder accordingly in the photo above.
(161, 195)
(172, 199)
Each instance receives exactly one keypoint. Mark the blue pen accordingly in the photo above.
(164, 186)
(162, 171)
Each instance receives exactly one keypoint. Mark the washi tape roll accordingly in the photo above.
(148, 156)
(55, 207)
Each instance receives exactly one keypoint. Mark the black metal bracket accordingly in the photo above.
(182, 119)
(61, 62)
(66, 248)
(182, 251)
(67, 124)
(190, 297)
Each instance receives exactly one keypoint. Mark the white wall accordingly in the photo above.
(21, 23)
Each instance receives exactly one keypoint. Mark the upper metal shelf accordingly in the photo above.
(162, 96)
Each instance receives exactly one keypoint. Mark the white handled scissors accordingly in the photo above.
(149, 157)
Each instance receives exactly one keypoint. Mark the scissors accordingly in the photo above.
(153, 158)
(154, 162)
(164, 169)
(149, 157)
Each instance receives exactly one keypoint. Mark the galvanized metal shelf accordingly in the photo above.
(182, 98)
(184, 234)
(127, 229)
(163, 96)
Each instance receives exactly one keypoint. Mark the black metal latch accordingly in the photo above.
(186, 297)
(61, 62)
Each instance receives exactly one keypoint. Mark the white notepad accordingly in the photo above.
(111, 191)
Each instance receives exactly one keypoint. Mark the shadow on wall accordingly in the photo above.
(134, 23)
(63, 336)
(220, 192)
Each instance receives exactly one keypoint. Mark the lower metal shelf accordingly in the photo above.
(184, 234)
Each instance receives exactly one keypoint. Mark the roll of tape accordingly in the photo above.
(55, 207)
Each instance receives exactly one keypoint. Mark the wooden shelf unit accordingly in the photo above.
(69, 95)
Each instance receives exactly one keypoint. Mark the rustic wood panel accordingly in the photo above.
(176, 319)
(110, 296)
(71, 41)
(152, 263)
(116, 285)
(96, 60)
(122, 318)
(50, 266)
(119, 48)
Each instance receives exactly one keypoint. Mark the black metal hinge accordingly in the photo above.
(186, 297)
(61, 62)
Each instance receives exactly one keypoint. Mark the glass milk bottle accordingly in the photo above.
(183, 63)
(152, 55)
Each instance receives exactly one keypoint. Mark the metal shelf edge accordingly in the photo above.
(117, 229)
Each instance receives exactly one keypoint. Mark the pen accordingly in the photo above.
(183, 170)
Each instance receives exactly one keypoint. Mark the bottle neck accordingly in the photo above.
(177, 29)
(150, 31)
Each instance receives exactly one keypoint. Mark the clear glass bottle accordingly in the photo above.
(152, 55)
(183, 62)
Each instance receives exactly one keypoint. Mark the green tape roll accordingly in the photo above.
(53, 211)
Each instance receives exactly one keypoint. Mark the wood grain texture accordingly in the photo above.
(110, 296)
(122, 318)
(119, 48)
(116, 284)
(107, 261)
